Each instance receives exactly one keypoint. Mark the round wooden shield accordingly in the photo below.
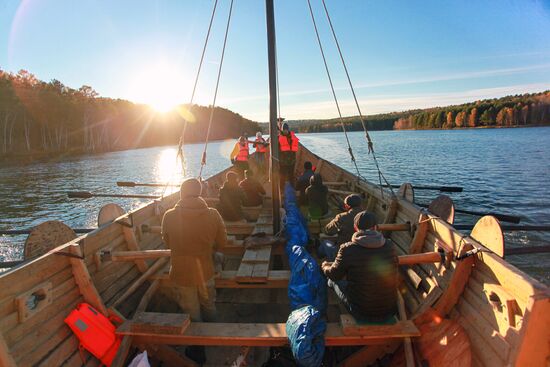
(487, 231)
(443, 207)
(47, 236)
(406, 191)
(108, 213)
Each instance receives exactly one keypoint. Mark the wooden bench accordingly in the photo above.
(260, 334)
(401, 329)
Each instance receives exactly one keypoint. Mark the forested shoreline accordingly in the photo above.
(40, 118)
(510, 111)
(48, 119)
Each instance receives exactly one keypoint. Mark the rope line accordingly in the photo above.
(180, 153)
(203, 159)
(350, 150)
(369, 141)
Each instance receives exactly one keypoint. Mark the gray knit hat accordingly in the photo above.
(190, 187)
(365, 220)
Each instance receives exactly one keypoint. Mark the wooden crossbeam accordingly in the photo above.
(400, 329)
(232, 228)
(256, 334)
(275, 279)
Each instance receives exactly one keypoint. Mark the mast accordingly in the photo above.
(273, 131)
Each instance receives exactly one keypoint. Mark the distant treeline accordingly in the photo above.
(518, 110)
(373, 122)
(37, 117)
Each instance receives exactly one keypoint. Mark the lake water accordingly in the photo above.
(501, 170)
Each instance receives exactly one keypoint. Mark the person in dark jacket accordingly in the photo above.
(342, 226)
(253, 190)
(317, 197)
(369, 264)
(193, 232)
(303, 182)
(231, 198)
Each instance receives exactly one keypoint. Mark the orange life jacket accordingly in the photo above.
(95, 332)
(260, 148)
(242, 156)
(284, 145)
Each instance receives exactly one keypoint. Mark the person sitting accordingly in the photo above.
(369, 264)
(341, 226)
(231, 198)
(253, 190)
(316, 195)
(193, 231)
(303, 182)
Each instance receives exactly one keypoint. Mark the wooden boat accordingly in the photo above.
(497, 315)
(460, 302)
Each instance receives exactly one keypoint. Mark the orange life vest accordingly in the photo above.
(95, 332)
(284, 145)
(260, 148)
(242, 156)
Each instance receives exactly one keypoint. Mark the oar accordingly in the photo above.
(437, 188)
(134, 184)
(28, 231)
(527, 250)
(508, 227)
(10, 264)
(499, 216)
(87, 195)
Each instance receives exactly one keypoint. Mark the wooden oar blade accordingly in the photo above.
(506, 218)
(126, 183)
(451, 189)
(435, 188)
(80, 194)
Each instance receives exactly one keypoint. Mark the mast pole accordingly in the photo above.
(273, 131)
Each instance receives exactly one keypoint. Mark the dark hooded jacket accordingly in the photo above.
(192, 231)
(316, 195)
(253, 191)
(369, 263)
(231, 199)
(342, 225)
(302, 183)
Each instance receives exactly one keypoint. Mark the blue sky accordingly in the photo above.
(400, 54)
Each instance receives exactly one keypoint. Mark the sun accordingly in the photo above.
(160, 86)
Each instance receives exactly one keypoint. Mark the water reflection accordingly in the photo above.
(504, 170)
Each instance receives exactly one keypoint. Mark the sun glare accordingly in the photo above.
(160, 86)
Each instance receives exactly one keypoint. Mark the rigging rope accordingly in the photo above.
(350, 150)
(369, 141)
(203, 159)
(182, 138)
(180, 153)
(361, 117)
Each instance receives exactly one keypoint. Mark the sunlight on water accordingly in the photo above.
(478, 160)
(226, 147)
(168, 168)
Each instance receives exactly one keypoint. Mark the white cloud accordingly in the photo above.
(428, 79)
